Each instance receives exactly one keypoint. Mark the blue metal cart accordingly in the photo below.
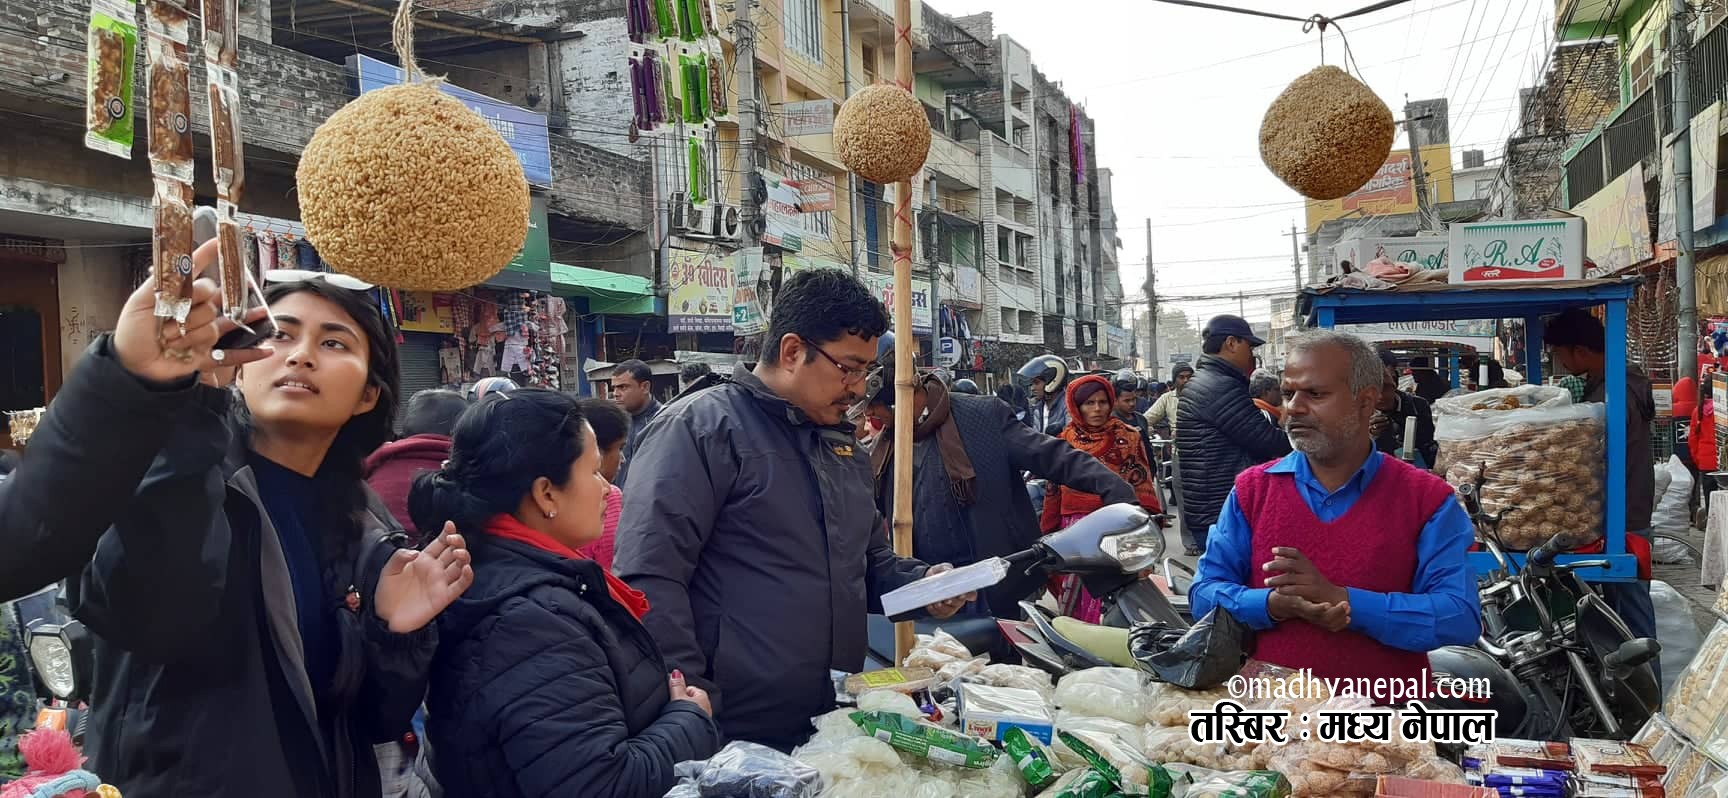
(1327, 308)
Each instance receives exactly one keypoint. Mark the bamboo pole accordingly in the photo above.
(905, 346)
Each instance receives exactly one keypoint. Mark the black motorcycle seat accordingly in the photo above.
(979, 634)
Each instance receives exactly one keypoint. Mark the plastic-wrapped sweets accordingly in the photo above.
(855, 765)
(747, 770)
(1117, 693)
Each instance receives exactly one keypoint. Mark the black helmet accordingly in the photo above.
(1049, 368)
(1126, 380)
(966, 386)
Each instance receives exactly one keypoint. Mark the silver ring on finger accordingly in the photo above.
(218, 355)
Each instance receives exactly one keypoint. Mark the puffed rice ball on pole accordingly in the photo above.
(1326, 135)
(882, 134)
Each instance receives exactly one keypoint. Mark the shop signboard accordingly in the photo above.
(808, 118)
(1115, 341)
(921, 315)
(531, 269)
(424, 311)
(1531, 250)
(750, 281)
(948, 354)
(1426, 252)
(1477, 334)
(784, 225)
(1391, 190)
(525, 131)
(814, 196)
(1177, 358)
(1617, 224)
(701, 296)
(969, 284)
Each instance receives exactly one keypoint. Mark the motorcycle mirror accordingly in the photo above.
(1120, 537)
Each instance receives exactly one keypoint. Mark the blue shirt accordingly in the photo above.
(293, 503)
(1441, 609)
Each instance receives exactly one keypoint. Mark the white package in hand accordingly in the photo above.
(945, 585)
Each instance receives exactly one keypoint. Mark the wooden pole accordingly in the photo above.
(905, 345)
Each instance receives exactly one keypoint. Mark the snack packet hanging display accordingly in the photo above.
(221, 27)
(171, 249)
(227, 154)
(169, 77)
(113, 56)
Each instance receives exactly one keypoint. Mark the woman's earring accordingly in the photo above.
(552, 514)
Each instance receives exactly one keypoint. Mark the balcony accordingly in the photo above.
(953, 162)
(951, 56)
(1575, 20)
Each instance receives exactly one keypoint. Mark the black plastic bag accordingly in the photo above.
(747, 770)
(1203, 656)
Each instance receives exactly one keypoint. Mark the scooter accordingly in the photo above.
(1108, 549)
(60, 658)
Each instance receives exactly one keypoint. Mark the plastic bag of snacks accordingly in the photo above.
(1613, 758)
(1242, 784)
(1176, 744)
(1117, 693)
(1539, 457)
(113, 54)
(1700, 696)
(1168, 705)
(926, 740)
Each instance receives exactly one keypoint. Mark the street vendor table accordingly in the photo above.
(1329, 306)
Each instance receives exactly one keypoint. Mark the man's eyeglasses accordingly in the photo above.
(335, 280)
(848, 374)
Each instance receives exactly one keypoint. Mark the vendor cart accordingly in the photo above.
(1328, 307)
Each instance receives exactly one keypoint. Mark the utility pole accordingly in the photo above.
(1429, 222)
(1241, 307)
(1151, 290)
(846, 89)
(1680, 59)
(749, 114)
(1296, 268)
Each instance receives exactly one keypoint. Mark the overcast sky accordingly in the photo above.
(1178, 94)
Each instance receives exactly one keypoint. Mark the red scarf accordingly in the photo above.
(507, 527)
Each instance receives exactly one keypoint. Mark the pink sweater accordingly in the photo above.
(601, 550)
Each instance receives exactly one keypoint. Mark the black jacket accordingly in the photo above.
(94, 443)
(1001, 520)
(1219, 433)
(1410, 408)
(546, 686)
(754, 533)
(199, 688)
(633, 441)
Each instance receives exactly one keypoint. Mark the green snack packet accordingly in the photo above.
(113, 55)
(926, 740)
(1091, 785)
(1034, 766)
(1245, 783)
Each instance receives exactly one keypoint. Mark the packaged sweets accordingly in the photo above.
(926, 740)
(236, 283)
(900, 680)
(1614, 758)
(113, 54)
(222, 32)
(170, 91)
(171, 249)
(1511, 752)
(228, 165)
(1699, 698)
(1029, 757)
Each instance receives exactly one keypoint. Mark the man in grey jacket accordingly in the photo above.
(751, 525)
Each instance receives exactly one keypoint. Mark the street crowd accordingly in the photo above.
(550, 595)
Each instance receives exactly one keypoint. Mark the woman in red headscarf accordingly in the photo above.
(1094, 429)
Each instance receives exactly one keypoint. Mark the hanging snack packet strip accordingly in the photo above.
(170, 90)
(113, 53)
(222, 32)
(171, 249)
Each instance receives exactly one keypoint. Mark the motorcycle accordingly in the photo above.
(1561, 662)
(60, 654)
(1109, 549)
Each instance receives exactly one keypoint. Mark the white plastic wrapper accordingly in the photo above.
(1116, 693)
(1089, 726)
(855, 765)
(1017, 676)
(1540, 458)
(889, 701)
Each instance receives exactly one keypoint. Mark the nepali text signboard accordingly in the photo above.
(750, 280)
(784, 225)
(424, 311)
(1425, 252)
(1392, 189)
(701, 296)
(525, 131)
(921, 314)
(1532, 250)
(1476, 334)
(809, 118)
(1617, 224)
(1706, 135)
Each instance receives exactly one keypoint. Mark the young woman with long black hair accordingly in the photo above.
(546, 681)
(258, 626)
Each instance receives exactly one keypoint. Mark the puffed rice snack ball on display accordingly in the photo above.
(1326, 135)
(408, 188)
(882, 134)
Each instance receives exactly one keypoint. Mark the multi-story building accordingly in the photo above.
(75, 225)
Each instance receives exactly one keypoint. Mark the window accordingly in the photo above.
(804, 28)
(867, 54)
(818, 222)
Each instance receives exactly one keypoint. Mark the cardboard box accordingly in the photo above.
(1525, 251)
(988, 712)
(1394, 787)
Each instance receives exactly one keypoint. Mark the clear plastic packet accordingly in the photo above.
(1270, 688)
(1127, 734)
(169, 78)
(238, 290)
(113, 56)
(1613, 757)
(1030, 757)
(1167, 705)
(1018, 676)
(1174, 744)
(1120, 762)
(221, 28)
(716, 82)
(926, 740)
(171, 248)
(227, 153)
(901, 680)
(1242, 784)
(1512, 752)
(1679, 779)
(1117, 693)
(1540, 458)
(1699, 697)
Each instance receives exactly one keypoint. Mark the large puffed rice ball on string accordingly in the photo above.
(882, 134)
(1326, 135)
(408, 188)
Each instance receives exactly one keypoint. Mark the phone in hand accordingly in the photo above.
(242, 337)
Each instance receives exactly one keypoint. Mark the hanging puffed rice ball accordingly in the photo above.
(1326, 135)
(408, 188)
(882, 134)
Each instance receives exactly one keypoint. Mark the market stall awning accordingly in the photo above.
(607, 292)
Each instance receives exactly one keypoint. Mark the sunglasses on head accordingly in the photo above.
(333, 279)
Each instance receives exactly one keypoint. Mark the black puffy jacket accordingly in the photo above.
(544, 685)
(1219, 433)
